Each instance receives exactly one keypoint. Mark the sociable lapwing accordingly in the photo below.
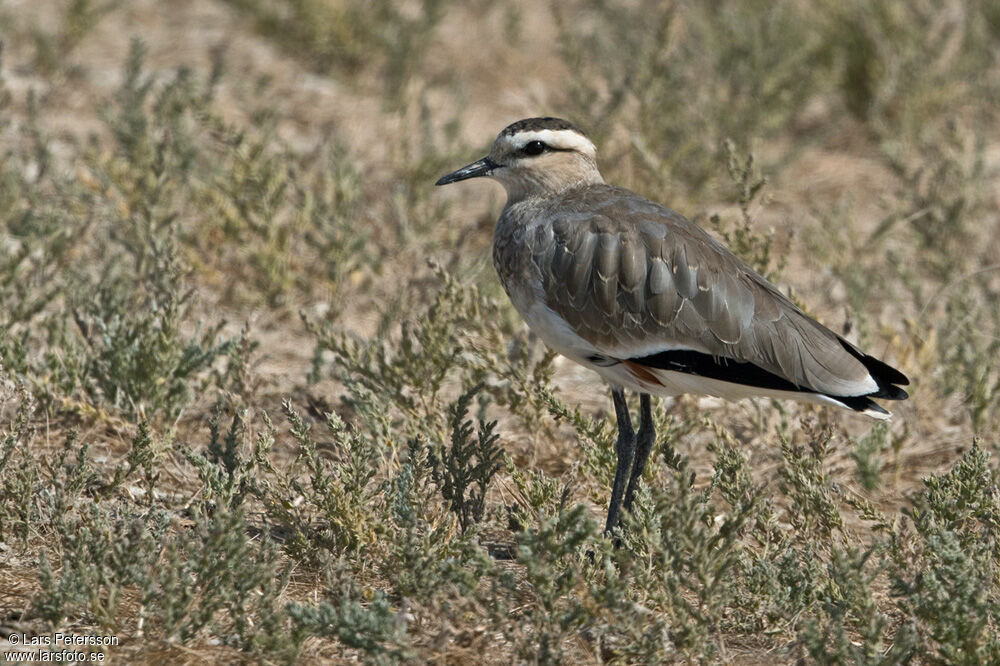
(648, 300)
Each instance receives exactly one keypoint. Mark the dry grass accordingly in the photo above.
(253, 363)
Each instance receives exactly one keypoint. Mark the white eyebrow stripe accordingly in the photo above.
(558, 139)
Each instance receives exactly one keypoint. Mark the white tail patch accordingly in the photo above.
(881, 416)
(670, 383)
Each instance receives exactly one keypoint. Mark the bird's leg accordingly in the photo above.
(625, 448)
(643, 444)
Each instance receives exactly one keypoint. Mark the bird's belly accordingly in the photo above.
(669, 383)
(560, 337)
(550, 327)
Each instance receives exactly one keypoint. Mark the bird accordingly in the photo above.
(650, 301)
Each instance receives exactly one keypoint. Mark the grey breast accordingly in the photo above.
(628, 274)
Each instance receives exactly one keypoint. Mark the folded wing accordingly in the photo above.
(645, 285)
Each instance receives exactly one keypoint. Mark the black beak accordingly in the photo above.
(482, 167)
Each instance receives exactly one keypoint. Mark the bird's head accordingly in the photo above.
(536, 157)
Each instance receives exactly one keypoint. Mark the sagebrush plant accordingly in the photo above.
(460, 336)
(463, 470)
(685, 77)
(339, 492)
(736, 87)
(754, 246)
(347, 38)
(261, 396)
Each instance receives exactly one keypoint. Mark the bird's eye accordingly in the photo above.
(534, 148)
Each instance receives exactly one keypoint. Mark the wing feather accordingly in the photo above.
(633, 277)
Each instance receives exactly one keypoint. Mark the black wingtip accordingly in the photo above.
(885, 371)
(884, 374)
(888, 392)
(861, 403)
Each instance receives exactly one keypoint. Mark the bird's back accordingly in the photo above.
(605, 275)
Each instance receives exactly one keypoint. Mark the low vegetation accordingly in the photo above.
(262, 397)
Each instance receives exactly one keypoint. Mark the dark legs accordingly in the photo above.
(625, 448)
(643, 444)
(633, 452)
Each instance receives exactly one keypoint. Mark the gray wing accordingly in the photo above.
(635, 279)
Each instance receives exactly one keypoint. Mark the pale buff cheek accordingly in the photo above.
(548, 173)
(519, 184)
(562, 172)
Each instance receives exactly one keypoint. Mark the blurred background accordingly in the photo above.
(219, 225)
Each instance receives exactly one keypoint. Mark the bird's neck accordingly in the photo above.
(549, 182)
